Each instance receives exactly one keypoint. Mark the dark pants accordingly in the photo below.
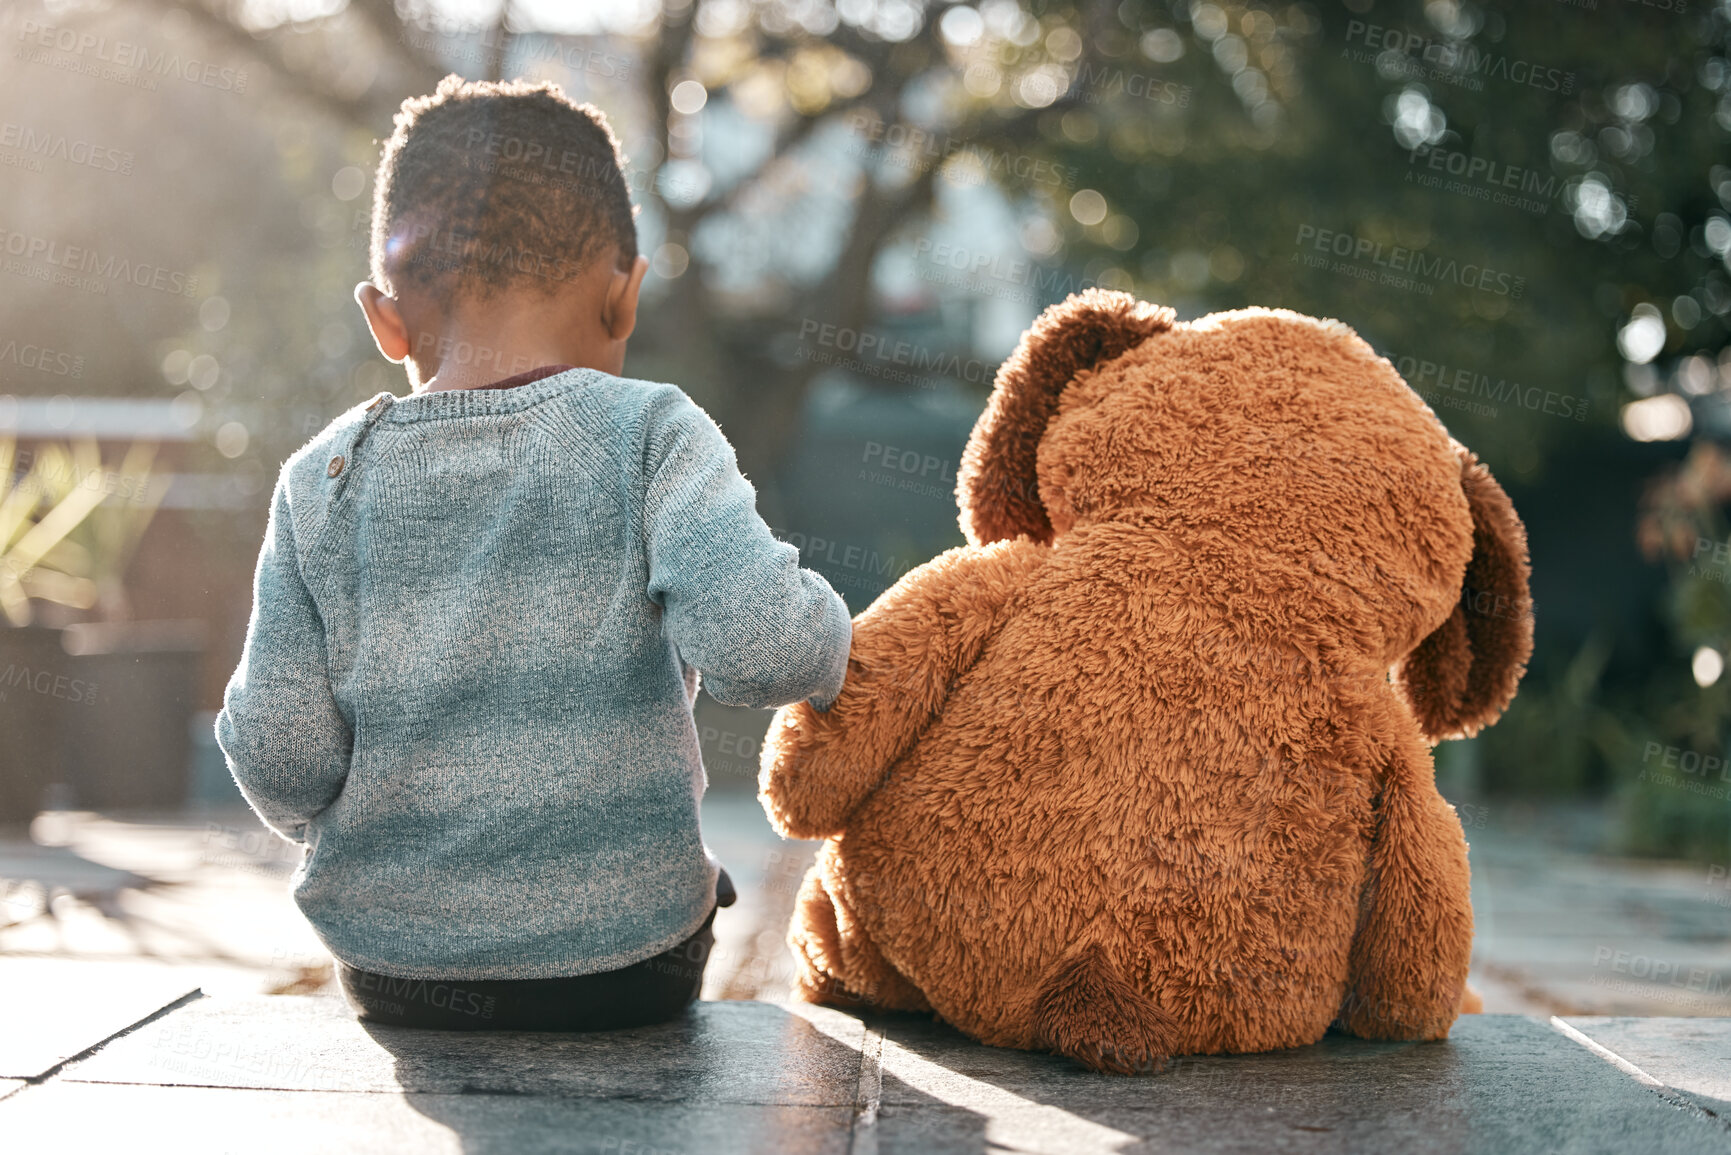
(652, 991)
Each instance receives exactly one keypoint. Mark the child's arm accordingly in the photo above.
(761, 630)
(286, 742)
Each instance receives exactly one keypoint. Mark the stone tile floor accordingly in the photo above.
(142, 1014)
(208, 894)
(297, 1073)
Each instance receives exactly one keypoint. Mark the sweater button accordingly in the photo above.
(335, 467)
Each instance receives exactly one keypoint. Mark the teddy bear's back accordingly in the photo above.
(1200, 808)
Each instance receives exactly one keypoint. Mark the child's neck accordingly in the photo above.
(467, 357)
(474, 343)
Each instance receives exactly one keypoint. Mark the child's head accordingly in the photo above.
(503, 235)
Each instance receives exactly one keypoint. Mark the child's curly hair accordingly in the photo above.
(489, 185)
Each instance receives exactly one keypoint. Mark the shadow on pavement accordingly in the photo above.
(726, 1077)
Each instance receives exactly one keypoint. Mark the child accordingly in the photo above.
(481, 610)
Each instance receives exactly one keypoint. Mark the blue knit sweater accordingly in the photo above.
(478, 623)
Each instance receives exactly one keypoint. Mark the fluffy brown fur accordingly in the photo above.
(1128, 777)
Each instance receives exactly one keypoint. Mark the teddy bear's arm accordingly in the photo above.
(1415, 932)
(907, 647)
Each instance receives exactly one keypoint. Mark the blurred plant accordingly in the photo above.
(1682, 511)
(1557, 737)
(1683, 526)
(69, 526)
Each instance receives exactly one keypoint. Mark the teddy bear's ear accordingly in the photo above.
(1460, 678)
(996, 489)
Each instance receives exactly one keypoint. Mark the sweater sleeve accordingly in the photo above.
(286, 742)
(761, 630)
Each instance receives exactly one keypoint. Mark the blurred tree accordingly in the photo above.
(1580, 157)
(1679, 782)
(808, 80)
(1532, 201)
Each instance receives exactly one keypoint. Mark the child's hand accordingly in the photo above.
(908, 648)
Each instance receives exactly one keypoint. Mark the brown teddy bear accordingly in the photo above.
(1144, 769)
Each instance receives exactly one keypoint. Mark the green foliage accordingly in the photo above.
(1556, 739)
(69, 525)
(1672, 780)
(1618, 151)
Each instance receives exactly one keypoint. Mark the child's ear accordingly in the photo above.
(385, 319)
(619, 311)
